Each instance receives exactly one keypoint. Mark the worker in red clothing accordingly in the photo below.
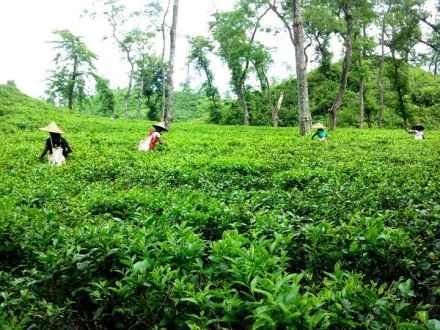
(153, 138)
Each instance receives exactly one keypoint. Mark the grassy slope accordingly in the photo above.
(367, 200)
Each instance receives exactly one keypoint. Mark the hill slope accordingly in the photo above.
(224, 227)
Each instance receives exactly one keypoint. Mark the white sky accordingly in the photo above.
(26, 28)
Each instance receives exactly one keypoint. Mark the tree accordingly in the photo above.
(432, 40)
(403, 32)
(200, 47)
(362, 49)
(261, 60)
(164, 43)
(167, 116)
(116, 17)
(383, 13)
(105, 96)
(149, 82)
(132, 42)
(73, 65)
(305, 118)
(346, 8)
(290, 14)
(142, 45)
(235, 31)
(320, 22)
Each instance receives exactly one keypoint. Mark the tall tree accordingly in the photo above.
(235, 31)
(117, 18)
(290, 13)
(403, 33)
(319, 25)
(431, 20)
(141, 41)
(167, 116)
(200, 48)
(305, 118)
(131, 41)
(346, 8)
(362, 49)
(105, 96)
(164, 45)
(73, 64)
(383, 12)
(261, 61)
(149, 82)
(362, 78)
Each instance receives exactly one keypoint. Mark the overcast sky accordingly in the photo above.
(26, 28)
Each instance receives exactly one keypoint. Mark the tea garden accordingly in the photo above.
(222, 228)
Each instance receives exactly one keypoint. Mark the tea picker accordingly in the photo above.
(153, 138)
(321, 133)
(418, 131)
(56, 146)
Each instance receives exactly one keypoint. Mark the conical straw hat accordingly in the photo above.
(52, 128)
(161, 125)
(318, 125)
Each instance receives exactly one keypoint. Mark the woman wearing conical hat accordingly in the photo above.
(418, 131)
(153, 138)
(321, 133)
(57, 148)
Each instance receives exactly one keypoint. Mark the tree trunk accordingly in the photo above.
(242, 99)
(345, 66)
(139, 99)
(361, 102)
(304, 116)
(362, 83)
(72, 84)
(164, 42)
(333, 118)
(213, 95)
(275, 111)
(242, 76)
(400, 93)
(397, 66)
(267, 91)
(130, 84)
(369, 119)
(381, 74)
(169, 102)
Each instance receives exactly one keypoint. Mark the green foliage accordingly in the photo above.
(73, 65)
(235, 33)
(149, 82)
(226, 227)
(422, 100)
(104, 96)
(200, 49)
(190, 105)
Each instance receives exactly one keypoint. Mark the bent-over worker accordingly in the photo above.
(56, 147)
(153, 138)
(321, 133)
(418, 131)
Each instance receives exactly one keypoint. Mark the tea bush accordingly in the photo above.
(222, 228)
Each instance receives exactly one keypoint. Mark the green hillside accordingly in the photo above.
(222, 228)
